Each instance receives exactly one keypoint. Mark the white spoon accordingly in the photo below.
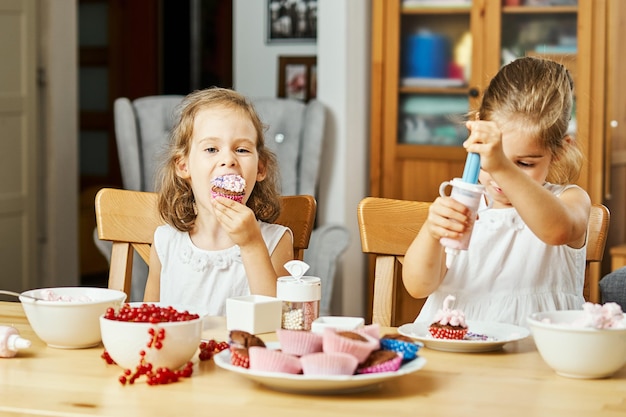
(17, 294)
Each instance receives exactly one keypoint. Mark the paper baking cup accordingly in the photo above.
(322, 363)
(270, 360)
(299, 342)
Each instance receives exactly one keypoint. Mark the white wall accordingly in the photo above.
(343, 86)
(59, 130)
(255, 62)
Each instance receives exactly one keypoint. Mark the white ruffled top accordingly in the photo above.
(202, 280)
(508, 273)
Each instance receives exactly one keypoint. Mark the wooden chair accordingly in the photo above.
(597, 232)
(129, 218)
(387, 228)
(294, 131)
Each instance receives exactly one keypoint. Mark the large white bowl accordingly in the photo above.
(125, 340)
(577, 352)
(70, 324)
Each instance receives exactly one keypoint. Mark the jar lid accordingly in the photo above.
(303, 289)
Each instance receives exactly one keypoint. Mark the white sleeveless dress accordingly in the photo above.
(201, 280)
(508, 273)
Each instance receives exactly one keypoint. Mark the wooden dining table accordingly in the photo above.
(513, 381)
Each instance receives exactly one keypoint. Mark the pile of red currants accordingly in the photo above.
(148, 313)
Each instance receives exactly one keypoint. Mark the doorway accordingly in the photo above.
(134, 49)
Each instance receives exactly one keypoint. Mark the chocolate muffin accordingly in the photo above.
(380, 361)
(243, 339)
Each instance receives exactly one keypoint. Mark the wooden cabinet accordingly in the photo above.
(615, 138)
(417, 115)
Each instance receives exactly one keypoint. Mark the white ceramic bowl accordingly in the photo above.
(577, 352)
(124, 340)
(70, 324)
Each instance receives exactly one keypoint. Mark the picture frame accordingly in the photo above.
(291, 21)
(297, 77)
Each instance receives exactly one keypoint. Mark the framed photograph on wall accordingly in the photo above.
(291, 21)
(297, 77)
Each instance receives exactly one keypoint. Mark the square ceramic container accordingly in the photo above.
(337, 322)
(253, 313)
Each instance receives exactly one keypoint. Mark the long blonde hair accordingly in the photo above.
(176, 201)
(539, 93)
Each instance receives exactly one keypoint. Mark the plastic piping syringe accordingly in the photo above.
(467, 191)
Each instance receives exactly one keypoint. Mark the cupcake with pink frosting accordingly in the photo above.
(231, 186)
(448, 323)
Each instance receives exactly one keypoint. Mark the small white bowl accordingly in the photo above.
(337, 322)
(70, 324)
(577, 352)
(125, 340)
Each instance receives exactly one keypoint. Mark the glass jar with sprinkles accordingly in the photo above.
(301, 301)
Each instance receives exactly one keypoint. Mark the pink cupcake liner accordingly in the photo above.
(321, 363)
(299, 342)
(389, 366)
(270, 360)
(237, 198)
(334, 342)
(371, 329)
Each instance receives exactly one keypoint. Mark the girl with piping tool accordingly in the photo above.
(213, 248)
(527, 251)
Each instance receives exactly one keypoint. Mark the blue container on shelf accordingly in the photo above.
(427, 55)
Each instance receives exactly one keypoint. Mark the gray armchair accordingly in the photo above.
(613, 287)
(295, 133)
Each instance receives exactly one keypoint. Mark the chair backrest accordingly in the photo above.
(129, 218)
(295, 132)
(387, 228)
(597, 232)
(142, 129)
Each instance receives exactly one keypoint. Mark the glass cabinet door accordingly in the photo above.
(541, 28)
(433, 59)
(435, 68)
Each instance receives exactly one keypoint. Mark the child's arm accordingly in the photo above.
(153, 284)
(555, 220)
(424, 263)
(262, 269)
(242, 227)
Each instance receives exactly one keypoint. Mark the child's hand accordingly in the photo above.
(486, 139)
(447, 218)
(237, 219)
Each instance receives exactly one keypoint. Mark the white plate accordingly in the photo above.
(498, 334)
(315, 384)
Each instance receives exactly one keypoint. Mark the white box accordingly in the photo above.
(253, 313)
